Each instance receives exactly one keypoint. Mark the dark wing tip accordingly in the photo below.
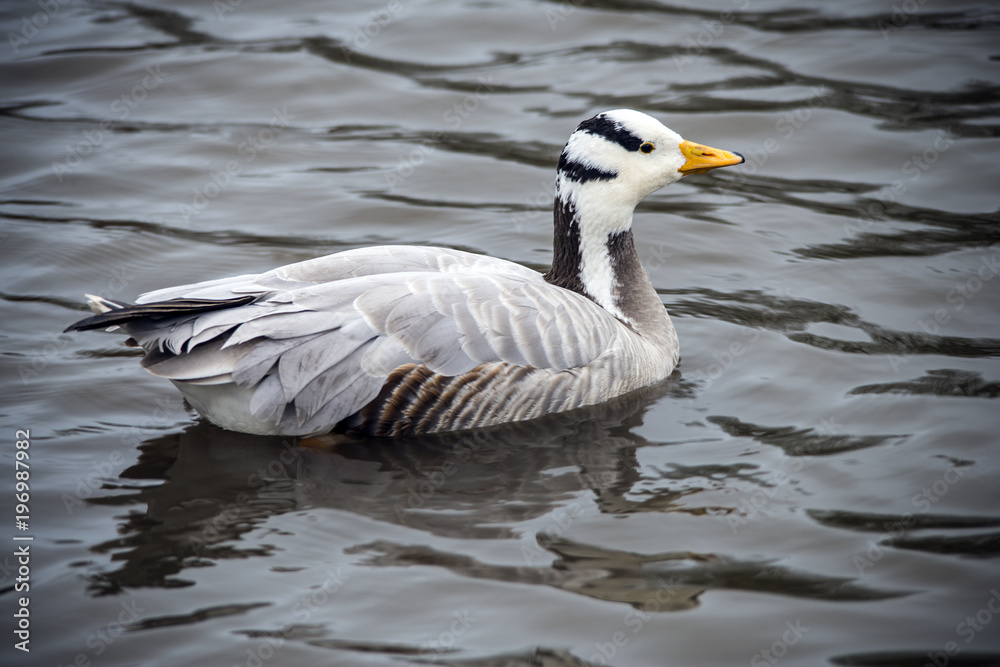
(160, 310)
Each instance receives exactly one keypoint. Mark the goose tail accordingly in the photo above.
(110, 313)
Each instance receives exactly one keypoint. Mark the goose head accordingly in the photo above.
(611, 163)
(623, 156)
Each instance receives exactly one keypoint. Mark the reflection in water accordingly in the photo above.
(898, 529)
(917, 659)
(218, 485)
(799, 442)
(670, 581)
(539, 657)
(938, 382)
(985, 545)
(867, 522)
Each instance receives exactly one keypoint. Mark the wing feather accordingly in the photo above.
(339, 382)
(203, 362)
(259, 357)
(327, 332)
(268, 402)
(300, 365)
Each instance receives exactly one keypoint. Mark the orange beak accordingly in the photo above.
(704, 158)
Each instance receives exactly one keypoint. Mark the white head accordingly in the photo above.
(611, 163)
(628, 155)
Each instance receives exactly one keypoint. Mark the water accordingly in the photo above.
(816, 485)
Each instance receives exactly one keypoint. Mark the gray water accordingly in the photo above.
(817, 484)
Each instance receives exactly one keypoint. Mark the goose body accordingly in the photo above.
(400, 340)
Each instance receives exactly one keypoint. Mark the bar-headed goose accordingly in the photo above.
(398, 340)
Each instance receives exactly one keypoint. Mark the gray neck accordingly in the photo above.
(633, 299)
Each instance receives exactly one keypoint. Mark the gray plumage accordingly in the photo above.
(395, 340)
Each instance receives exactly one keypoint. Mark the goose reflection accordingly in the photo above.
(205, 488)
(668, 581)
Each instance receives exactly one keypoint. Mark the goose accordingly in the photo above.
(405, 340)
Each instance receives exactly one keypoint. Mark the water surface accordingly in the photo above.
(815, 485)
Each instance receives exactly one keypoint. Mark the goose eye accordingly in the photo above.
(647, 147)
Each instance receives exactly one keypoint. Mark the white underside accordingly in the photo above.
(227, 405)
